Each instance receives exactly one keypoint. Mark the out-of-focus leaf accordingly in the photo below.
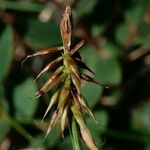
(37, 144)
(66, 143)
(24, 100)
(6, 51)
(133, 17)
(147, 147)
(122, 33)
(53, 137)
(22, 6)
(3, 101)
(4, 126)
(109, 71)
(136, 13)
(84, 6)
(91, 91)
(140, 119)
(42, 34)
(50, 141)
(97, 30)
(144, 35)
(102, 121)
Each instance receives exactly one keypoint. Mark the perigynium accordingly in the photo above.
(68, 97)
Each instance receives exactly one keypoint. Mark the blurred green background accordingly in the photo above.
(117, 35)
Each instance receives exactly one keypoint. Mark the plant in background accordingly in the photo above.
(68, 98)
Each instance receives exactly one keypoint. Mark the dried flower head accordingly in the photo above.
(68, 97)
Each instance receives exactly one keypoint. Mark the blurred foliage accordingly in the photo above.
(117, 35)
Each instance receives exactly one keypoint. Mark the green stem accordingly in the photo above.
(75, 138)
(21, 6)
(19, 128)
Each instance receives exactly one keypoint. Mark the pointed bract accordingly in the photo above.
(90, 79)
(73, 67)
(55, 117)
(49, 66)
(85, 105)
(44, 52)
(63, 120)
(82, 65)
(78, 46)
(53, 80)
(88, 139)
(53, 100)
(64, 93)
(77, 82)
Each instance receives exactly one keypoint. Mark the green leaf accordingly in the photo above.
(6, 52)
(42, 34)
(24, 100)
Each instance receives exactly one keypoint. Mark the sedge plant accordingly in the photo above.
(69, 101)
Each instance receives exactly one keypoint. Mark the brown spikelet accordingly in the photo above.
(67, 79)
